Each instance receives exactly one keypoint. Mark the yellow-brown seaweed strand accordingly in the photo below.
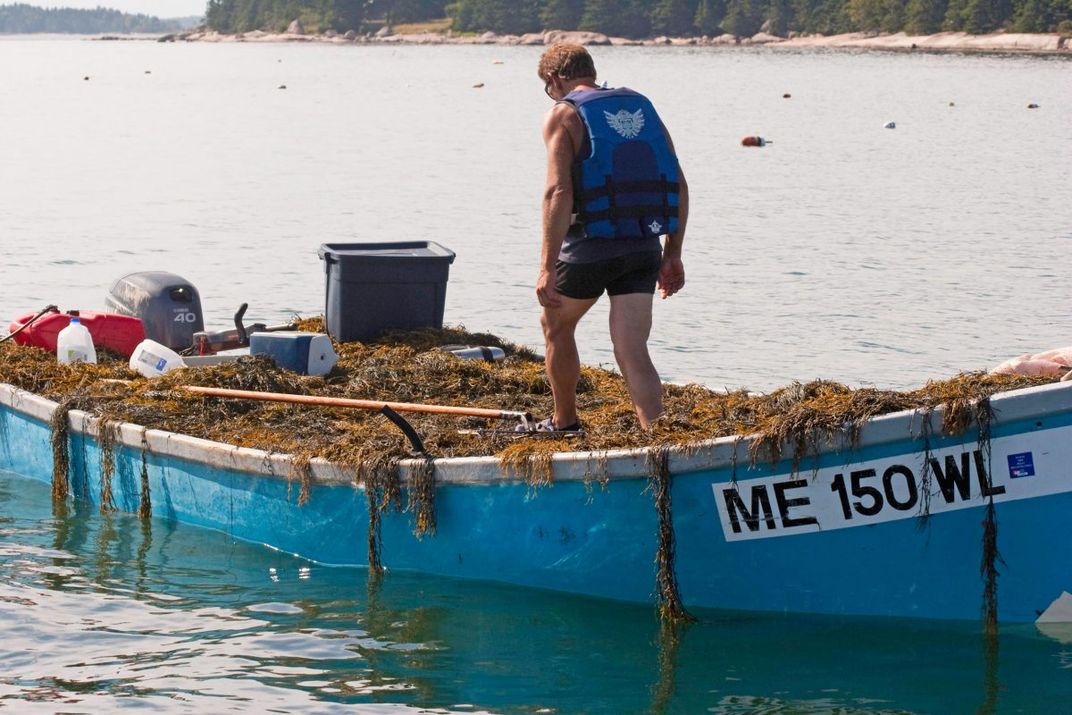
(421, 495)
(670, 635)
(107, 433)
(61, 451)
(670, 606)
(988, 565)
(382, 490)
(145, 506)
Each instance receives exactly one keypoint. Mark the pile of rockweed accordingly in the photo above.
(410, 367)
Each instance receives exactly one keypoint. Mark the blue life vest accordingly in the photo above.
(625, 178)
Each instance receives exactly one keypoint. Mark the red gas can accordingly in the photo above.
(118, 333)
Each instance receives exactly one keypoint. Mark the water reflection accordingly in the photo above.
(96, 606)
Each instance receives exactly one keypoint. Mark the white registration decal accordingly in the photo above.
(1021, 466)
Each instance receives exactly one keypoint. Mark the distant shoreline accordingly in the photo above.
(1001, 42)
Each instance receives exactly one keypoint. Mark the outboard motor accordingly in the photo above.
(167, 304)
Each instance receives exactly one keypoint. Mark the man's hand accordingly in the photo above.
(546, 292)
(671, 276)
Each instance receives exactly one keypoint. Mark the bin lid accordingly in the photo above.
(389, 250)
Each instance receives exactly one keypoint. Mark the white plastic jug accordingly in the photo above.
(75, 344)
(152, 359)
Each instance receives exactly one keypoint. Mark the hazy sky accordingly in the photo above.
(160, 8)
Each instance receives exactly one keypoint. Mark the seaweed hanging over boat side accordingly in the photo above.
(926, 472)
(671, 607)
(145, 505)
(530, 459)
(301, 465)
(379, 475)
(61, 449)
(988, 569)
(420, 496)
(809, 417)
(107, 434)
(991, 556)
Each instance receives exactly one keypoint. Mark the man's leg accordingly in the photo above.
(630, 325)
(563, 363)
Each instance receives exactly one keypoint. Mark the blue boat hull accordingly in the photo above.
(747, 537)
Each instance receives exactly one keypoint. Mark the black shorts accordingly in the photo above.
(631, 273)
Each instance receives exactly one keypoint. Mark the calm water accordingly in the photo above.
(842, 250)
(169, 616)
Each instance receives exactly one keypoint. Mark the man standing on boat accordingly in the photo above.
(614, 187)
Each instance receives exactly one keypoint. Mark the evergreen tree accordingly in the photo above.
(924, 17)
(561, 14)
(462, 16)
(218, 15)
(1031, 16)
(830, 17)
(954, 16)
(893, 15)
(743, 17)
(983, 16)
(624, 18)
(673, 17)
(779, 17)
(22, 18)
(866, 15)
(709, 17)
(347, 15)
(499, 16)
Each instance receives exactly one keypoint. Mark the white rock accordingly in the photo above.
(576, 37)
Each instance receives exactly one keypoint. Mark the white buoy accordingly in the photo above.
(889, 125)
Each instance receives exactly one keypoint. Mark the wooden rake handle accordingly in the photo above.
(357, 404)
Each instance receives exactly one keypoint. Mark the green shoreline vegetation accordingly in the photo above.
(21, 18)
(637, 19)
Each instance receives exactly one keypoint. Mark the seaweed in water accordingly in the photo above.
(670, 636)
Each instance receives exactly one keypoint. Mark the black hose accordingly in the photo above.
(28, 323)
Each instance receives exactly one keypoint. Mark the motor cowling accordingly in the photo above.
(167, 304)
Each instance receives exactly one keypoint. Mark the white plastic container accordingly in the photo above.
(304, 353)
(152, 359)
(75, 344)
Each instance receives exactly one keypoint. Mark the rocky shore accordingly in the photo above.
(943, 41)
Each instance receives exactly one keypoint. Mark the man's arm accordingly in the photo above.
(558, 195)
(672, 272)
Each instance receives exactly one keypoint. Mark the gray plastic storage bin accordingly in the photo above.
(376, 287)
